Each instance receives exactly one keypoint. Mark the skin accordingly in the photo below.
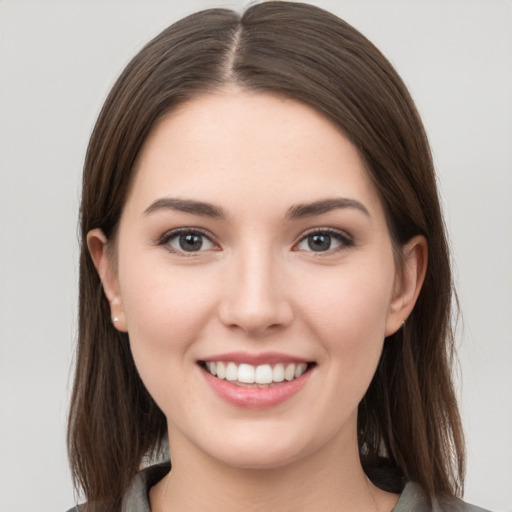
(256, 286)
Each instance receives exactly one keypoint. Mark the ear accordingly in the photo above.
(408, 283)
(106, 268)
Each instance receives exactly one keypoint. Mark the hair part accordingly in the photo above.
(409, 425)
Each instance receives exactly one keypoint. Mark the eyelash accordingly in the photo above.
(175, 233)
(342, 238)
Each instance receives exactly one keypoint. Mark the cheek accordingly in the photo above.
(348, 313)
(162, 299)
(166, 310)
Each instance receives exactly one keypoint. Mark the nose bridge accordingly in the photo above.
(254, 298)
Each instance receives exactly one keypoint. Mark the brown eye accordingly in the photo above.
(319, 242)
(186, 241)
(324, 241)
(191, 242)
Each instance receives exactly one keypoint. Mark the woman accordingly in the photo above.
(264, 279)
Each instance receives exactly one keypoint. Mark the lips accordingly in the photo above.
(256, 381)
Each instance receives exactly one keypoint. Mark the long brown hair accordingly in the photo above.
(409, 425)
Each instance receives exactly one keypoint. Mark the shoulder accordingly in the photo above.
(413, 498)
(136, 497)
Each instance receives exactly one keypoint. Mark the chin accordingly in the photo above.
(259, 452)
(259, 459)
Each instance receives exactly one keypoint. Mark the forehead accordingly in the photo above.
(258, 148)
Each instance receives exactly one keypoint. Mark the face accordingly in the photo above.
(253, 246)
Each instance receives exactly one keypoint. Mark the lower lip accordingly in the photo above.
(256, 397)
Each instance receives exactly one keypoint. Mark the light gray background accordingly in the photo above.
(58, 60)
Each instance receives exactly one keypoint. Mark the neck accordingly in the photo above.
(329, 480)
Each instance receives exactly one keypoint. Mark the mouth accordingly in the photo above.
(261, 376)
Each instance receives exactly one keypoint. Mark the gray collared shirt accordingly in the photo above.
(412, 499)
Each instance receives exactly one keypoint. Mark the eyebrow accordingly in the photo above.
(187, 206)
(324, 206)
(295, 212)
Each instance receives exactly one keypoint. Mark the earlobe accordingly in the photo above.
(105, 266)
(408, 283)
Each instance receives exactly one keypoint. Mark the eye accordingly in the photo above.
(324, 240)
(186, 241)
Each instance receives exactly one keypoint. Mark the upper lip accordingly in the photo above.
(256, 359)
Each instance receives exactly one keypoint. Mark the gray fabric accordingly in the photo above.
(412, 499)
(137, 497)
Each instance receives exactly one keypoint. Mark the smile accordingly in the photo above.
(270, 380)
(261, 376)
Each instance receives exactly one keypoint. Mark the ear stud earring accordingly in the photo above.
(115, 319)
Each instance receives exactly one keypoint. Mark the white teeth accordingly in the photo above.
(232, 372)
(212, 367)
(278, 373)
(300, 369)
(246, 373)
(289, 373)
(262, 374)
(221, 370)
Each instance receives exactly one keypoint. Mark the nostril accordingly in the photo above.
(253, 298)
(255, 319)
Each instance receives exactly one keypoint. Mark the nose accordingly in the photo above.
(254, 298)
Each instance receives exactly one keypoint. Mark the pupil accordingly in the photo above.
(319, 242)
(191, 242)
